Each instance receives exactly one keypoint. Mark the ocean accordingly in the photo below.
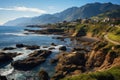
(12, 35)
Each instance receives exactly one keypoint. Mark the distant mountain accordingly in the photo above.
(18, 21)
(46, 18)
(73, 13)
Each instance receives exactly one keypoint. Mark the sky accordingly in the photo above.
(12, 9)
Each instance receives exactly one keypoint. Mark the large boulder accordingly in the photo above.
(43, 75)
(69, 63)
(20, 45)
(3, 78)
(63, 48)
(53, 44)
(9, 48)
(33, 60)
(14, 54)
(40, 53)
(52, 61)
(28, 63)
(4, 58)
(33, 47)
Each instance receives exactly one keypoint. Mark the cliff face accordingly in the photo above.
(102, 56)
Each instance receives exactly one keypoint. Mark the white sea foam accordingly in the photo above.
(6, 72)
(23, 56)
(15, 34)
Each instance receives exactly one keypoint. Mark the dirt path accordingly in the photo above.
(114, 42)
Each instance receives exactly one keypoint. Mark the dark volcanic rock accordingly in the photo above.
(51, 48)
(20, 45)
(43, 75)
(60, 38)
(34, 59)
(3, 77)
(63, 48)
(53, 44)
(9, 48)
(4, 58)
(28, 63)
(33, 47)
(52, 61)
(14, 54)
(41, 53)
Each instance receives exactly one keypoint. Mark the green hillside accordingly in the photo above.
(111, 74)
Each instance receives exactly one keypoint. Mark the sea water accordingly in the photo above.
(12, 35)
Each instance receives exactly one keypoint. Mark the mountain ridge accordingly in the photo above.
(70, 14)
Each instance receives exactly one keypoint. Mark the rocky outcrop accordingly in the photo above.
(30, 47)
(52, 61)
(43, 75)
(53, 44)
(34, 59)
(4, 58)
(3, 78)
(47, 31)
(28, 63)
(33, 47)
(63, 48)
(62, 38)
(102, 56)
(68, 64)
(13, 54)
(20, 45)
(9, 48)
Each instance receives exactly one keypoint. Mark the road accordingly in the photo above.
(114, 42)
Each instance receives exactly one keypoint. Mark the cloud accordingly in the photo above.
(24, 9)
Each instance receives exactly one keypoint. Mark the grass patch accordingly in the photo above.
(114, 37)
(111, 74)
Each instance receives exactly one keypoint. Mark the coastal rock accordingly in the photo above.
(77, 49)
(53, 44)
(4, 58)
(40, 53)
(9, 48)
(33, 59)
(52, 61)
(28, 63)
(58, 75)
(68, 63)
(43, 75)
(63, 48)
(47, 31)
(60, 38)
(45, 46)
(20, 45)
(14, 54)
(109, 60)
(95, 59)
(33, 47)
(51, 48)
(3, 78)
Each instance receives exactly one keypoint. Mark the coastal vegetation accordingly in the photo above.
(111, 74)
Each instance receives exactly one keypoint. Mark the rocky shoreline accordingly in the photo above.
(87, 55)
(34, 59)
